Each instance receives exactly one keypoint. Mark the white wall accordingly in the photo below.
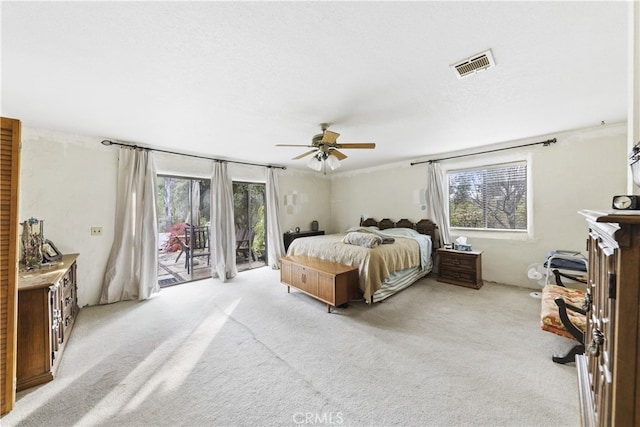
(391, 191)
(581, 171)
(69, 181)
(305, 196)
(633, 96)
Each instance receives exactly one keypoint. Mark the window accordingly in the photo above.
(491, 197)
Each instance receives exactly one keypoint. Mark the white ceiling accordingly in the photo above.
(232, 79)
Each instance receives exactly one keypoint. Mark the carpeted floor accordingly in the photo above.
(246, 353)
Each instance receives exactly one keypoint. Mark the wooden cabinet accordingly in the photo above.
(290, 237)
(332, 283)
(462, 268)
(609, 371)
(47, 309)
(9, 185)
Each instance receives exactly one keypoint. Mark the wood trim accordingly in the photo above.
(586, 401)
(9, 188)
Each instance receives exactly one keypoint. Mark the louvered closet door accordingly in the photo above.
(9, 175)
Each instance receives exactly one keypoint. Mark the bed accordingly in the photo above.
(403, 255)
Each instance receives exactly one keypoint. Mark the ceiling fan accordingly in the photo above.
(325, 149)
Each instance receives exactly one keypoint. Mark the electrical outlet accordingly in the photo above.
(96, 231)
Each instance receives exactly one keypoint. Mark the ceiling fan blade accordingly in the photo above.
(293, 145)
(357, 145)
(330, 137)
(304, 154)
(338, 154)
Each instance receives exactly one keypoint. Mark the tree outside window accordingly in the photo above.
(492, 197)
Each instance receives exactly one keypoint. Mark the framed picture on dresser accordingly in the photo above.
(50, 252)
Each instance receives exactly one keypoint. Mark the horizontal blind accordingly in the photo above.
(491, 197)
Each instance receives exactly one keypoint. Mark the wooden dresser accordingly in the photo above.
(463, 268)
(332, 283)
(47, 309)
(609, 371)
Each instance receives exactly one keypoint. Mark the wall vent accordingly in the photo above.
(472, 65)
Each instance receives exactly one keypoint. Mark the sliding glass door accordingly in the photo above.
(250, 224)
(182, 202)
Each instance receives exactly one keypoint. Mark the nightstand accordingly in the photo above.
(463, 268)
(290, 237)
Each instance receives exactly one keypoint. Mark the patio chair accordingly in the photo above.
(244, 241)
(196, 244)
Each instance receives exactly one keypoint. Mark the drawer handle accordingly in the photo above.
(596, 342)
(56, 319)
(587, 302)
(455, 261)
(456, 275)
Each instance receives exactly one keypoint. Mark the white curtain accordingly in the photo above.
(437, 206)
(223, 237)
(132, 269)
(275, 245)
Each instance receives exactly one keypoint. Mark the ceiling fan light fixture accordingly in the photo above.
(315, 163)
(324, 150)
(333, 162)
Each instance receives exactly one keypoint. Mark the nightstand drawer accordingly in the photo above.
(468, 277)
(458, 261)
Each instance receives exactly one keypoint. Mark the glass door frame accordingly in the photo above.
(175, 266)
(260, 260)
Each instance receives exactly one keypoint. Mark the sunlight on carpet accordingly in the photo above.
(181, 352)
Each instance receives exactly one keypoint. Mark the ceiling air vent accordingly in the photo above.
(472, 65)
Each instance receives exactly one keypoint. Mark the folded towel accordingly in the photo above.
(366, 240)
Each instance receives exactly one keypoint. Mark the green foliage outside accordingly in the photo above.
(173, 195)
(494, 198)
(172, 198)
(260, 230)
(248, 206)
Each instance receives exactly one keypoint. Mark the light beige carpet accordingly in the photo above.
(246, 353)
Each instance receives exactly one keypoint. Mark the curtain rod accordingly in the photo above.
(109, 142)
(544, 143)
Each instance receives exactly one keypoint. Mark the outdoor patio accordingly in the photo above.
(172, 270)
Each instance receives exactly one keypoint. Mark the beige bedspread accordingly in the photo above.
(374, 265)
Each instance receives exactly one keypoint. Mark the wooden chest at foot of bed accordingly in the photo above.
(332, 283)
(462, 268)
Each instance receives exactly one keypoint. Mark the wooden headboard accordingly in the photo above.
(424, 226)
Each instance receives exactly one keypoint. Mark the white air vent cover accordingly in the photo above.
(472, 65)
